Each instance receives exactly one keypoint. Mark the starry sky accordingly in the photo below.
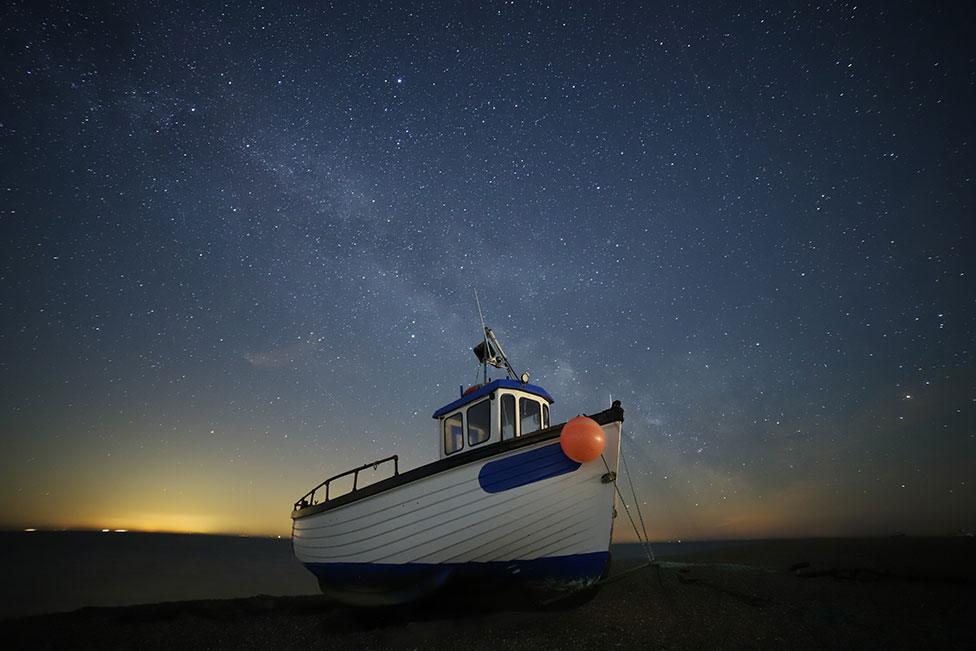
(241, 244)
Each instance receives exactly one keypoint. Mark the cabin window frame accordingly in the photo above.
(525, 399)
(513, 432)
(445, 435)
(487, 424)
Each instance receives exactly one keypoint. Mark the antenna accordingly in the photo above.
(489, 351)
(484, 331)
(480, 313)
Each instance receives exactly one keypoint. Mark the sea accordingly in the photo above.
(59, 571)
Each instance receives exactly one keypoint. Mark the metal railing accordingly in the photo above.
(309, 498)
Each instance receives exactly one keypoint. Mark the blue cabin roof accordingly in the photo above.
(488, 388)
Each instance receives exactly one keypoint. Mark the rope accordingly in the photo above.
(647, 540)
(623, 502)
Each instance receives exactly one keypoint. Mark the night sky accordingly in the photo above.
(241, 243)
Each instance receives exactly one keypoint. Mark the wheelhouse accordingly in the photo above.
(484, 414)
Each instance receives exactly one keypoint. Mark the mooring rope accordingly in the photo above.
(644, 543)
(633, 492)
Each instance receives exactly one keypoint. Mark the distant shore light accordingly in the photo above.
(30, 529)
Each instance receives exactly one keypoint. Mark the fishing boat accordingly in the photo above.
(513, 501)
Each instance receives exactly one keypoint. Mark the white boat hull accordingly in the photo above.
(527, 514)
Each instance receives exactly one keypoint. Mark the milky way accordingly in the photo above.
(241, 246)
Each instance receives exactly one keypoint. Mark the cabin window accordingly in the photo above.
(453, 433)
(479, 422)
(545, 415)
(508, 416)
(529, 416)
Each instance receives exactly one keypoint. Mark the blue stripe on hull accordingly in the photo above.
(387, 583)
(525, 468)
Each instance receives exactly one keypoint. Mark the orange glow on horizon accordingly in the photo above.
(181, 532)
(149, 522)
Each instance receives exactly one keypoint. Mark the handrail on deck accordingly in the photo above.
(308, 499)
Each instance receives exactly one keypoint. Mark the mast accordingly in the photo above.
(490, 351)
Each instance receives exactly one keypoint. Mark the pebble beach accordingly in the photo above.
(899, 592)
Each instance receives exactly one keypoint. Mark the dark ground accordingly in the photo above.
(855, 593)
(59, 571)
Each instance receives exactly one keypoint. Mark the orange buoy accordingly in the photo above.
(582, 439)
